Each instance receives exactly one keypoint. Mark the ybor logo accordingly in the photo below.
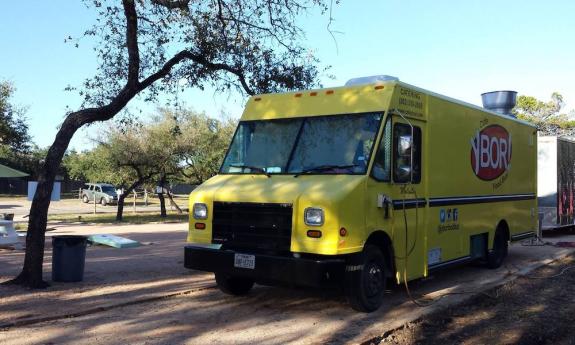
(490, 152)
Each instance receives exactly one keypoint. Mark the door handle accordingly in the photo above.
(383, 201)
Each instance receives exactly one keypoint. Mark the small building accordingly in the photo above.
(11, 181)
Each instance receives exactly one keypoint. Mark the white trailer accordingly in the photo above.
(556, 181)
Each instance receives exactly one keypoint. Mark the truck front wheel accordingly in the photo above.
(365, 279)
(231, 285)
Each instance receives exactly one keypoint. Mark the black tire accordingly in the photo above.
(85, 199)
(496, 257)
(231, 285)
(365, 280)
(103, 202)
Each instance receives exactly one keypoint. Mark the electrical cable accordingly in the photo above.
(409, 252)
(420, 303)
(517, 269)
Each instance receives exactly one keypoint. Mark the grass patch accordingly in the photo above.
(4, 197)
(20, 227)
(129, 218)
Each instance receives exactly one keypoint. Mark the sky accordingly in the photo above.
(456, 48)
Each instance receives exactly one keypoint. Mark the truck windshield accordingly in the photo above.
(339, 144)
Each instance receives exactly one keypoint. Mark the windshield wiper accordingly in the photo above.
(324, 168)
(260, 169)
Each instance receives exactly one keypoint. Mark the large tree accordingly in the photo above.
(547, 116)
(147, 46)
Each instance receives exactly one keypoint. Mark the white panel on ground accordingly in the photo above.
(55, 196)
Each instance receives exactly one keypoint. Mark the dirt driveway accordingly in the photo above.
(121, 300)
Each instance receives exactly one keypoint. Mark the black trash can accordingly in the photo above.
(8, 216)
(68, 257)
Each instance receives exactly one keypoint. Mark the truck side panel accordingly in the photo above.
(480, 172)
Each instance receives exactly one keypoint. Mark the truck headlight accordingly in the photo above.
(200, 211)
(313, 216)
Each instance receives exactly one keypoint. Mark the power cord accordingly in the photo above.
(420, 303)
(535, 242)
(517, 269)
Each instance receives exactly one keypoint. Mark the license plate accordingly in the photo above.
(245, 261)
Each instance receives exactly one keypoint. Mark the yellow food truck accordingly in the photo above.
(375, 182)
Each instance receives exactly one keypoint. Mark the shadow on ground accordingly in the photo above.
(111, 276)
(536, 309)
(270, 315)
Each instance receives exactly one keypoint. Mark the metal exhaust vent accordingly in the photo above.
(370, 80)
(500, 101)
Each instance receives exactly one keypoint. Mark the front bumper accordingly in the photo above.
(269, 269)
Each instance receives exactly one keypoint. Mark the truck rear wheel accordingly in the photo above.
(500, 247)
(231, 285)
(85, 199)
(365, 280)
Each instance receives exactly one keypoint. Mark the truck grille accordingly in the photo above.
(243, 225)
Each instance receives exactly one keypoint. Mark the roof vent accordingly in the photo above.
(370, 80)
(500, 101)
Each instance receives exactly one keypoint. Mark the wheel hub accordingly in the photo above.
(373, 279)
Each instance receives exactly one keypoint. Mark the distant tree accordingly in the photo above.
(91, 166)
(193, 147)
(16, 148)
(13, 127)
(547, 116)
(149, 46)
(173, 146)
(132, 158)
(207, 141)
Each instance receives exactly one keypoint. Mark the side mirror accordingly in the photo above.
(403, 172)
(404, 145)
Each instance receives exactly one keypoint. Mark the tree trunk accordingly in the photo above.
(120, 210)
(31, 274)
(173, 203)
(124, 195)
(161, 184)
(163, 213)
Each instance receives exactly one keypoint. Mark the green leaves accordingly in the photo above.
(247, 46)
(182, 146)
(13, 127)
(547, 116)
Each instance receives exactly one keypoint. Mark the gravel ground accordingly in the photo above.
(536, 309)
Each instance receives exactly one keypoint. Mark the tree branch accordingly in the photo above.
(132, 41)
(200, 59)
(173, 4)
